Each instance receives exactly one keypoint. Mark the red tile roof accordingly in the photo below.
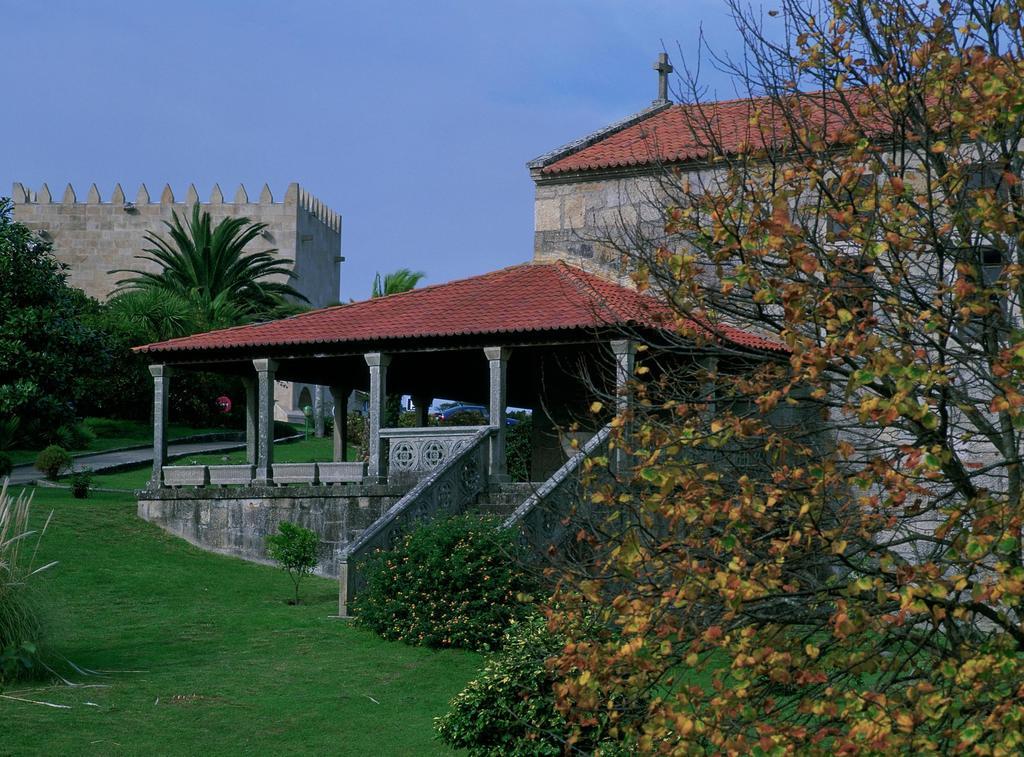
(693, 132)
(523, 298)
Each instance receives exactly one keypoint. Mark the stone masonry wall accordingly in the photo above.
(577, 221)
(95, 237)
(238, 521)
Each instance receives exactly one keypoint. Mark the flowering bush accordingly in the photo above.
(450, 583)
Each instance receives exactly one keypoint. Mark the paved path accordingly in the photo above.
(23, 474)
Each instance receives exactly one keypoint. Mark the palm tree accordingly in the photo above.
(208, 267)
(153, 315)
(401, 280)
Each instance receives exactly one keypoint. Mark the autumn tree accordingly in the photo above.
(819, 549)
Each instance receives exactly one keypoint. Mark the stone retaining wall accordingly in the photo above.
(237, 521)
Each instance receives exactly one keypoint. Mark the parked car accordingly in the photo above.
(446, 414)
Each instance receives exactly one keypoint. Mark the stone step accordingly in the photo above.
(499, 509)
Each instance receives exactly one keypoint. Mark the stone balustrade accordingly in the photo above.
(307, 474)
(416, 452)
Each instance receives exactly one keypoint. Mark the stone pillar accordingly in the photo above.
(497, 359)
(318, 411)
(378, 363)
(251, 418)
(161, 389)
(340, 396)
(265, 370)
(625, 357)
(422, 405)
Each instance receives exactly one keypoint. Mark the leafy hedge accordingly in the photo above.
(509, 708)
(450, 583)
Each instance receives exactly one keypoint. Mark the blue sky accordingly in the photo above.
(413, 120)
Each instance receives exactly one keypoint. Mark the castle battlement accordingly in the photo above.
(294, 196)
(98, 236)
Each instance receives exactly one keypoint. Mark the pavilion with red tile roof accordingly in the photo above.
(520, 336)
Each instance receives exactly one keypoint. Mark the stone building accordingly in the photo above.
(95, 238)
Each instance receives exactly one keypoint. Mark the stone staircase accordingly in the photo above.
(460, 485)
(501, 500)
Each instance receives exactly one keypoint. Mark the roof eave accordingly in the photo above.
(538, 163)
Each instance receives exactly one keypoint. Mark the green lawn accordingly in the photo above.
(302, 451)
(112, 434)
(207, 658)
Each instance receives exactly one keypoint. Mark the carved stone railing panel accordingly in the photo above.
(416, 452)
(448, 490)
(541, 518)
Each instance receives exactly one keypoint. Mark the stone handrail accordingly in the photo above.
(416, 452)
(449, 489)
(540, 517)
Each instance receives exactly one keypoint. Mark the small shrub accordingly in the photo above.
(106, 428)
(358, 435)
(294, 547)
(509, 708)
(519, 448)
(450, 583)
(80, 482)
(21, 624)
(9, 432)
(53, 461)
(77, 436)
(6, 466)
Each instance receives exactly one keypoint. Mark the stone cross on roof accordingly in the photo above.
(664, 68)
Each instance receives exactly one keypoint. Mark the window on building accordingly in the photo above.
(857, 199)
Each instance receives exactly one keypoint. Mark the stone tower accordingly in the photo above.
(95, 237)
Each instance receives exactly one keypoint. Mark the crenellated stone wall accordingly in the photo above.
(95, 237)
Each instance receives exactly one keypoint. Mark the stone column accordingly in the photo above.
(251, 418)
(318, 411)
(378, 363)
(161, 389)
(340, 396)
(497, 359)
(625, 357)
(265, 370)
(422, 405)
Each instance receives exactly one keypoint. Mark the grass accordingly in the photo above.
(207, 658)
(112, 434)
(302, 451)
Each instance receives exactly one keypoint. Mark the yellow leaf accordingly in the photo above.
(939, 147)
(595, 407)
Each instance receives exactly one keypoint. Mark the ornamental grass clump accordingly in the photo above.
(21, 625)
(451, 583)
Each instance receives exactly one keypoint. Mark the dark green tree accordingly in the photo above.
(48, 349)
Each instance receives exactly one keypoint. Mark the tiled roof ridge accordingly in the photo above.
(342, 305)
(682, 141)
(535, 296)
